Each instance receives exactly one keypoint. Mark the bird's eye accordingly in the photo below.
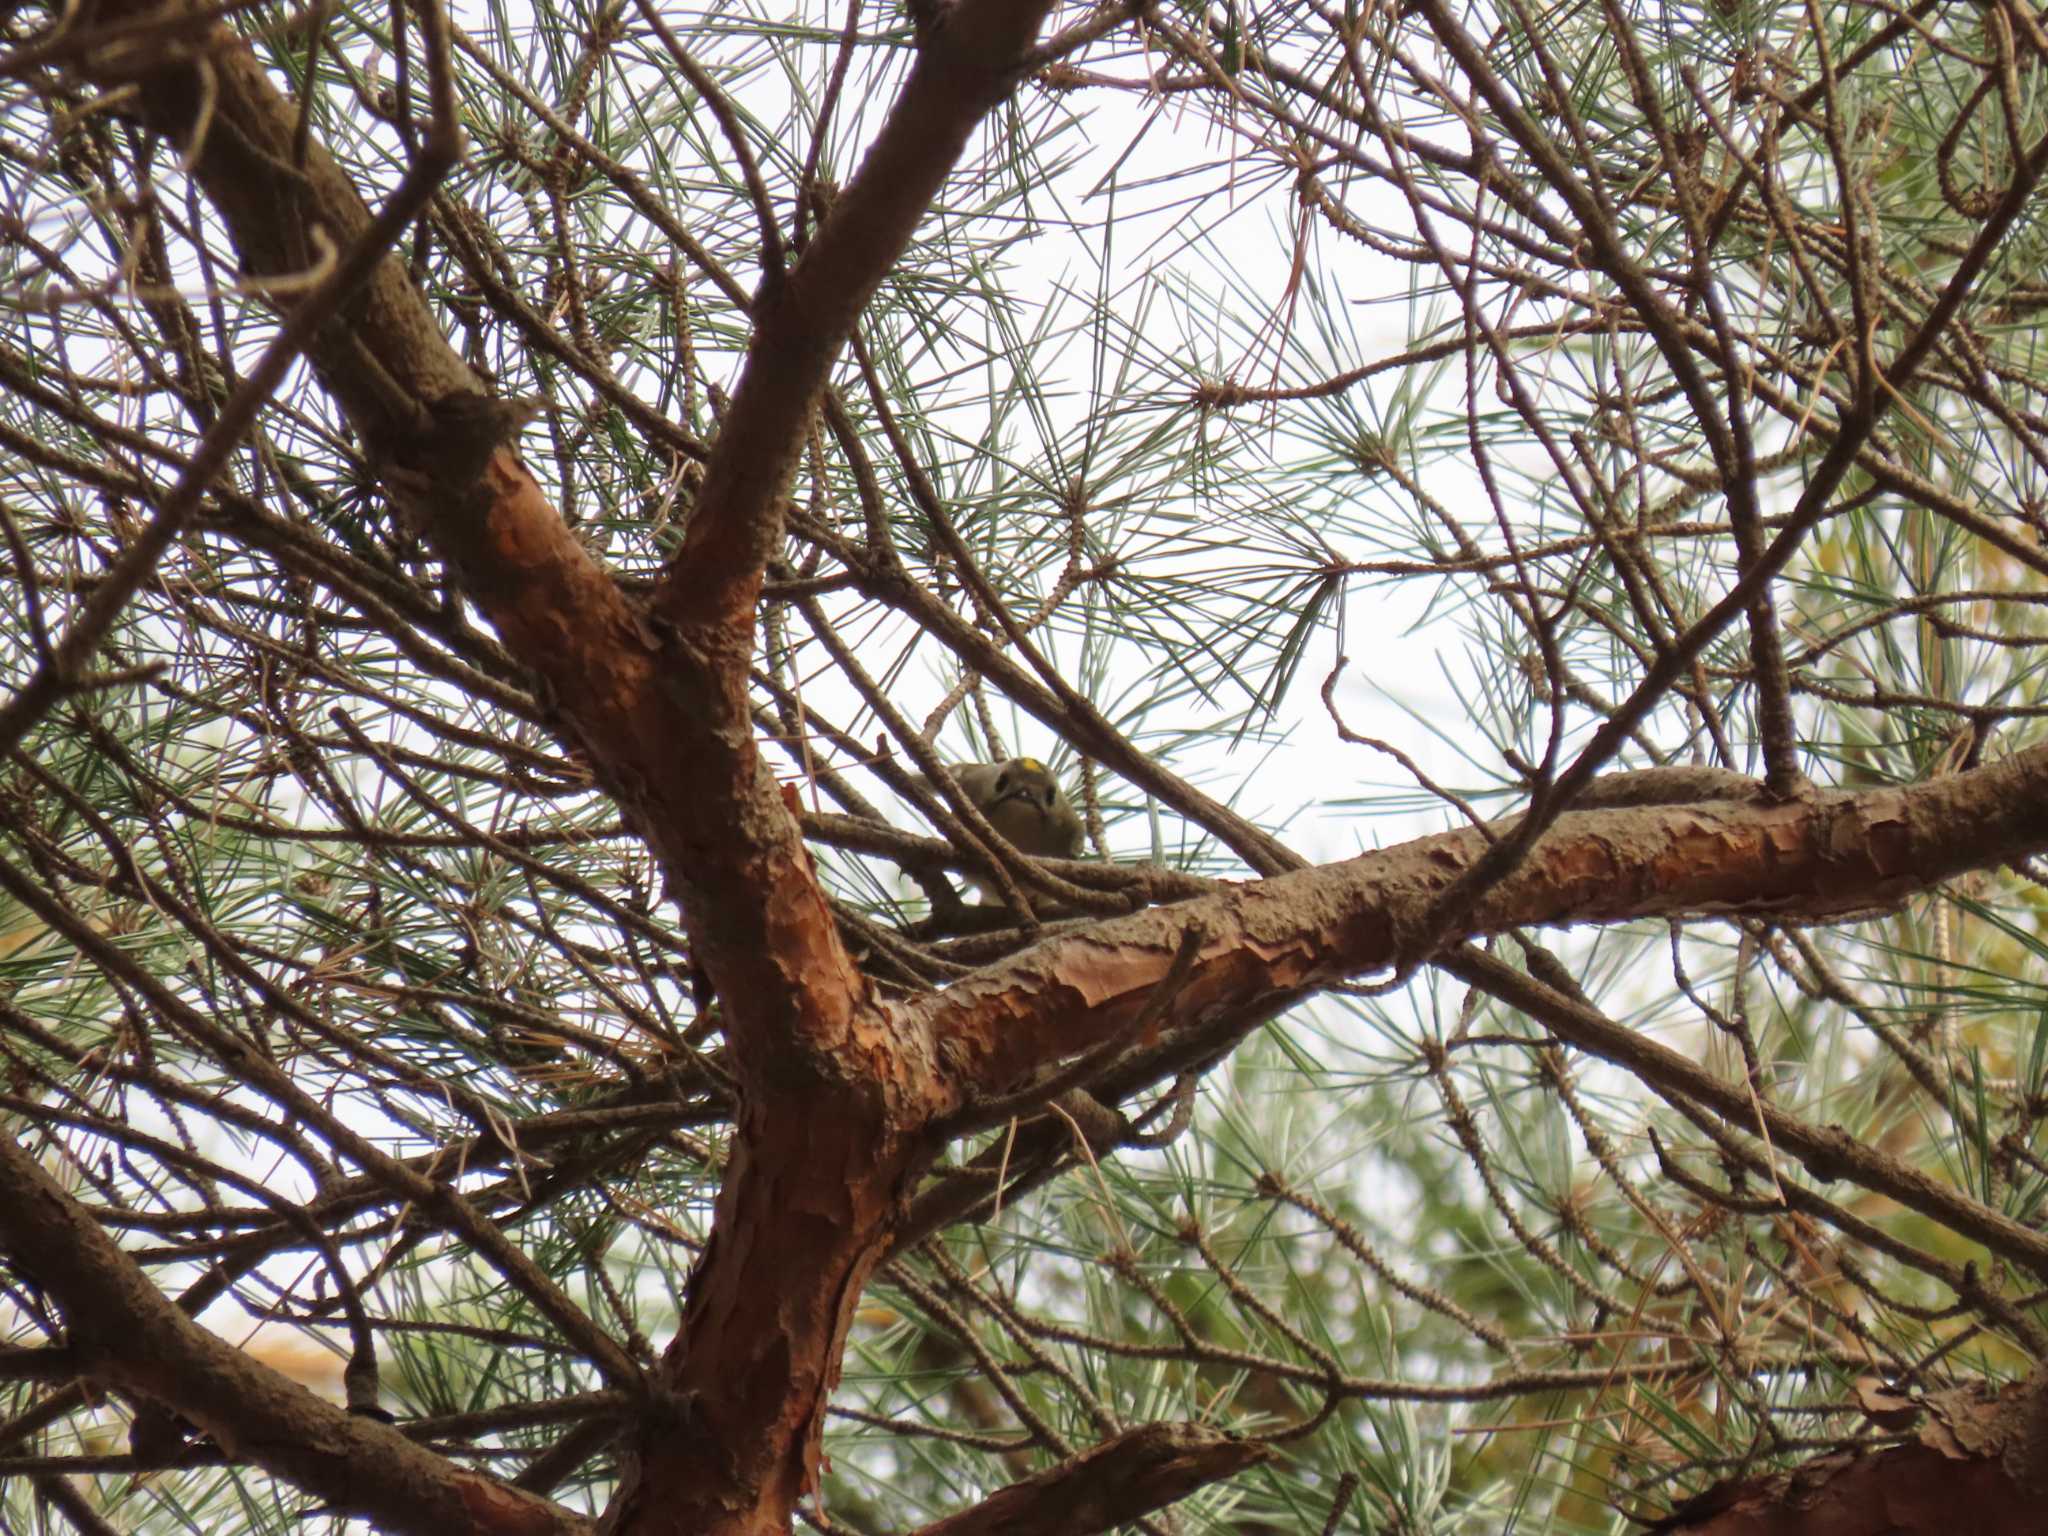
(1003, 782)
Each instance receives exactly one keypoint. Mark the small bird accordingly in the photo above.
(1023, 801)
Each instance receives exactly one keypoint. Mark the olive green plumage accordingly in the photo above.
(1023, 801)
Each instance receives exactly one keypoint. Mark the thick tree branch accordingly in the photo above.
(1972, 1463)
(126, 1334)
(1270, 942)
(664, 725)
(65, 663)
(662, 712)
(1113, 1484)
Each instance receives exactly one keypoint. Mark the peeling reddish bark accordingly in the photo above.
(1275, 939)
(839, 1089)
(1975, 1464)
(835, 1092)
